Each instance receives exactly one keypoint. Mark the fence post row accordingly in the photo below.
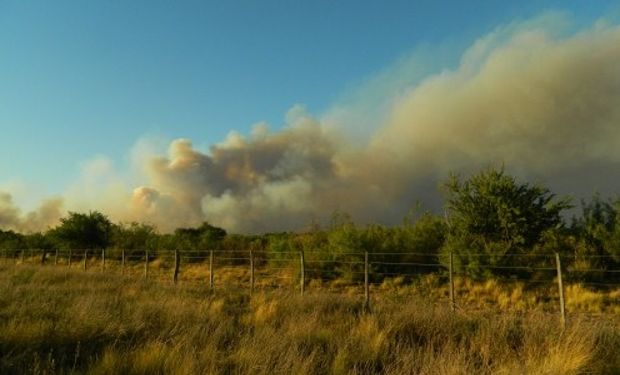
(177, 263)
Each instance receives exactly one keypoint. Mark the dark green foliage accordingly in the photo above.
(10, 240)
(597, 238)
(494, 224)
(134, 236)
(598, 226)
(205, 236)
(492, 215)
(83, 231)
(38, 241)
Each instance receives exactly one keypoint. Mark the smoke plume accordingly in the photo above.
(544, 104)
(11, 217)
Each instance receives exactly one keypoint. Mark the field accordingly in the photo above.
(56, 320)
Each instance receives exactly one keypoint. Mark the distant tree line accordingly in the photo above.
(491, 222)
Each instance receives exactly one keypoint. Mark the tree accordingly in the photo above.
(83, 231)
(598, 232)
(206, 236)
(135, 236)
(9, 240)
(491, 215)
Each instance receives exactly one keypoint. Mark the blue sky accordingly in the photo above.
(80, 79)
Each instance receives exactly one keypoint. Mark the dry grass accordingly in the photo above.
(58, 321)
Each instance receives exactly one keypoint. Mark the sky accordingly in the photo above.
(87, 86)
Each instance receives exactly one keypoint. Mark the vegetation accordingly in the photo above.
(490, 217)
(500, 232)
(83, 231)
(493, 215)
(52, 322)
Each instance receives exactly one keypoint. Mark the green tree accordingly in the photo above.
(598, 233)
(135, 236)
(83, 231)
(204, 237)
(38, 241)
(491, 215)
(10, 240)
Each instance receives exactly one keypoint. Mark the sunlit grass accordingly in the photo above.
(55, 320)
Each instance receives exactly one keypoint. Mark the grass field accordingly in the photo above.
(55, 321)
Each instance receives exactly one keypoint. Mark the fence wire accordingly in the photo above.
(293, 269)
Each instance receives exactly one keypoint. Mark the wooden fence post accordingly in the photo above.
(211, 283)
(22, 256)
(302, 272)
(177, 263)
(56, 257)
(43, 256)
(102, 260)
(122, 261)
(366, 286)
(70, 256)
(85, 258)
(251, 272)
(561, 290)
(451, 270)
(146, 264)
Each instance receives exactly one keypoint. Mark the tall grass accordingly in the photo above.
(54, 320)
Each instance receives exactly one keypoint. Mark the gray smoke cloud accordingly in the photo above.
(545, 104)
(267, 181)
(46, 215)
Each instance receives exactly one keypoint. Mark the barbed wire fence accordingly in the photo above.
(294, 269)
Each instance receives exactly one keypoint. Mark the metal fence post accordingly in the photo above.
(122, 261)
(211, 278)
(177, 263)
(102, 260)
(561, 290)
(366, 286)
(251, 272)
(451, 270)
(146, 264)
(302, 272)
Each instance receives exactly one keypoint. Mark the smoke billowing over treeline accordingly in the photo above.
(541, 101)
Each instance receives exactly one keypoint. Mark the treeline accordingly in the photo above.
(492, 225)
